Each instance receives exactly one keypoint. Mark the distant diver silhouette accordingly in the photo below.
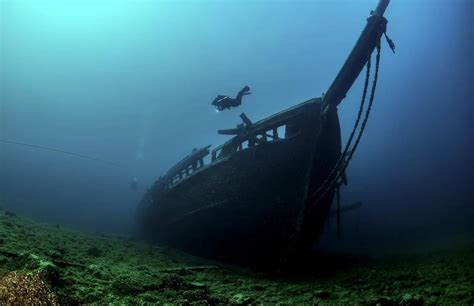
(222, 102)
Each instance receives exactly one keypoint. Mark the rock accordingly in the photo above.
(322, 294)
(94, 252)
(195, 295)
(258, 288)
(96, 271)
(200, 303)
(198, 285)
(25, 289)
(412, 300)
(91, 296)
(126, 285)
(174, 281)
(47, 269)
(240, 299)
(381, 301)
(56, 253)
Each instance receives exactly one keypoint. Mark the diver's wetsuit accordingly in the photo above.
(223, 102)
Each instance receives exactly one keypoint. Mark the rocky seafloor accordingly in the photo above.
(47, 264)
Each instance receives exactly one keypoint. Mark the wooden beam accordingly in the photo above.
(246, 120)
(355, 62)
(275, 133)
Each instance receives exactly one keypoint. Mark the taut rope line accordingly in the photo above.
(59, 151)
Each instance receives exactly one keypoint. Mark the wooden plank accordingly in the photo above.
(196, 157)
(355, 62)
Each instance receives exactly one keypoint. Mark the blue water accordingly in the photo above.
(132, 82)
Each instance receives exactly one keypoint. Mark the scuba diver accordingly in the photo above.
(223, 102)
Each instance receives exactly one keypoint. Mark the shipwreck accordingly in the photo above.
(263, 198)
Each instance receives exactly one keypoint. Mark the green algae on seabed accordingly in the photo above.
(88, 268)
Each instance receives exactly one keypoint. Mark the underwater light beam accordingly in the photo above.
(59, 151)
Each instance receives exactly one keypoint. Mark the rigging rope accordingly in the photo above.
(296, 235)
(356, 125)
(321, 191)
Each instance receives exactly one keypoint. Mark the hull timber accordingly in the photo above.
(245, 206)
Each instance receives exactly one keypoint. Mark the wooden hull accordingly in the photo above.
(256, 206)
(247, 208)
(237, 210)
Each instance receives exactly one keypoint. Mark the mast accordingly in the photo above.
(368, 40)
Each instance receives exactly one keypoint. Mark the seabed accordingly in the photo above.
(47, 264)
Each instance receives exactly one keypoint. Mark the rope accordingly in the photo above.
(337, 168)
(285, 253)
(341, 171)
(58, 151)
(390, 42)
(356, 124)
(369, 108)
(359, 136)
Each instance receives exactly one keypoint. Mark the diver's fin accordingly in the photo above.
(245, 89)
